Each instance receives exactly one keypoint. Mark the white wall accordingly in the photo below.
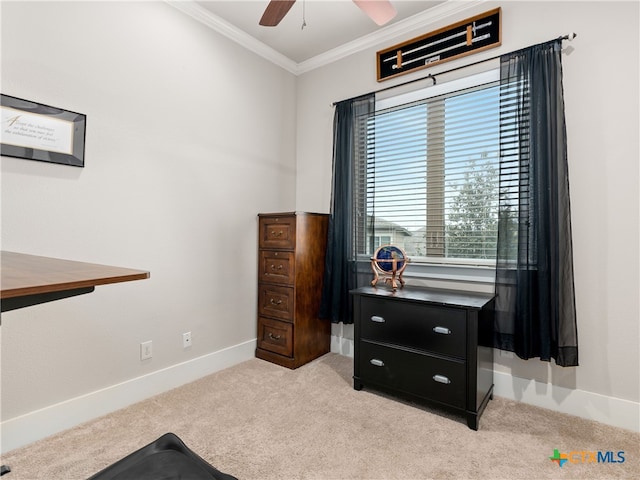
(601, 95)
(189, 136)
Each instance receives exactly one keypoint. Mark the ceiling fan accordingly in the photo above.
(380, 11)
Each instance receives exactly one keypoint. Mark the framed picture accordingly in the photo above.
(34, 131)
(472, 35)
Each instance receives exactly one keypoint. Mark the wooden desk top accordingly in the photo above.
(24, 275)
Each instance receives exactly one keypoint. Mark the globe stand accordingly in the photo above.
(388, 263)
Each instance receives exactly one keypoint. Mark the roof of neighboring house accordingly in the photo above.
(381, 223)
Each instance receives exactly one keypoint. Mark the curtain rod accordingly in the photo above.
(432, 76)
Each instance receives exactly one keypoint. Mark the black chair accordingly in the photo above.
(167, 458)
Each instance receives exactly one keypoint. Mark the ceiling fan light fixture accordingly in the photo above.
(380, 11)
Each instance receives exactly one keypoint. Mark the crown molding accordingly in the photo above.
(389, 33)
(233, 33)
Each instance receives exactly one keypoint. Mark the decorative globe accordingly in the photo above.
(388, 262)
(389, 253)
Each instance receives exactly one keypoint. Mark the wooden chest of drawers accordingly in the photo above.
(291, 250)
(425, 344)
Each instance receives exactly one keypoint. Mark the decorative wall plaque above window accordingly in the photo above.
(469, 36)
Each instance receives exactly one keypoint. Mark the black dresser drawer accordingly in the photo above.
(419, 374)
(424, 327)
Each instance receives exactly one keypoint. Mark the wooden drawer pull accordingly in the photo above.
(376, 362)
(274, 302)
(442, 330)
(441, 379)
(274, 337)
(377, 319)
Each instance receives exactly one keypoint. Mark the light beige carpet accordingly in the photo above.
(257, 420)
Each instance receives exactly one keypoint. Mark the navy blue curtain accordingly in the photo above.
(340, 273)
(535, 302)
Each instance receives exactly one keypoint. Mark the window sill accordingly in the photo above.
(463, 273)
(455, 277)
(461, 277)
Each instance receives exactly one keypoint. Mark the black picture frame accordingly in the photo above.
(35, 131)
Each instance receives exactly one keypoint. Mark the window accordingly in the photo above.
(427, 173)
(379, 240)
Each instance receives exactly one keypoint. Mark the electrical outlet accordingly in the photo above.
(146, 350)
(186, 340)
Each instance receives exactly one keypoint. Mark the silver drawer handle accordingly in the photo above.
(376, 362)
(442, 330)
(274, 302)
(377, 319)
(274, 337)
(441, 379)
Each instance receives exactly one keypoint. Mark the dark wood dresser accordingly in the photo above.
(291, 251)
(425, 344)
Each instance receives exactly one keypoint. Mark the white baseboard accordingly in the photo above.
(612, 411)
(47, 421)
(42, 423)
(616, 412)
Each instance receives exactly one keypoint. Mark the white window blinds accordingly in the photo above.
(428, 174)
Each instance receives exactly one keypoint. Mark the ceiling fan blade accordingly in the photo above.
(380, 11)
(275, 12)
